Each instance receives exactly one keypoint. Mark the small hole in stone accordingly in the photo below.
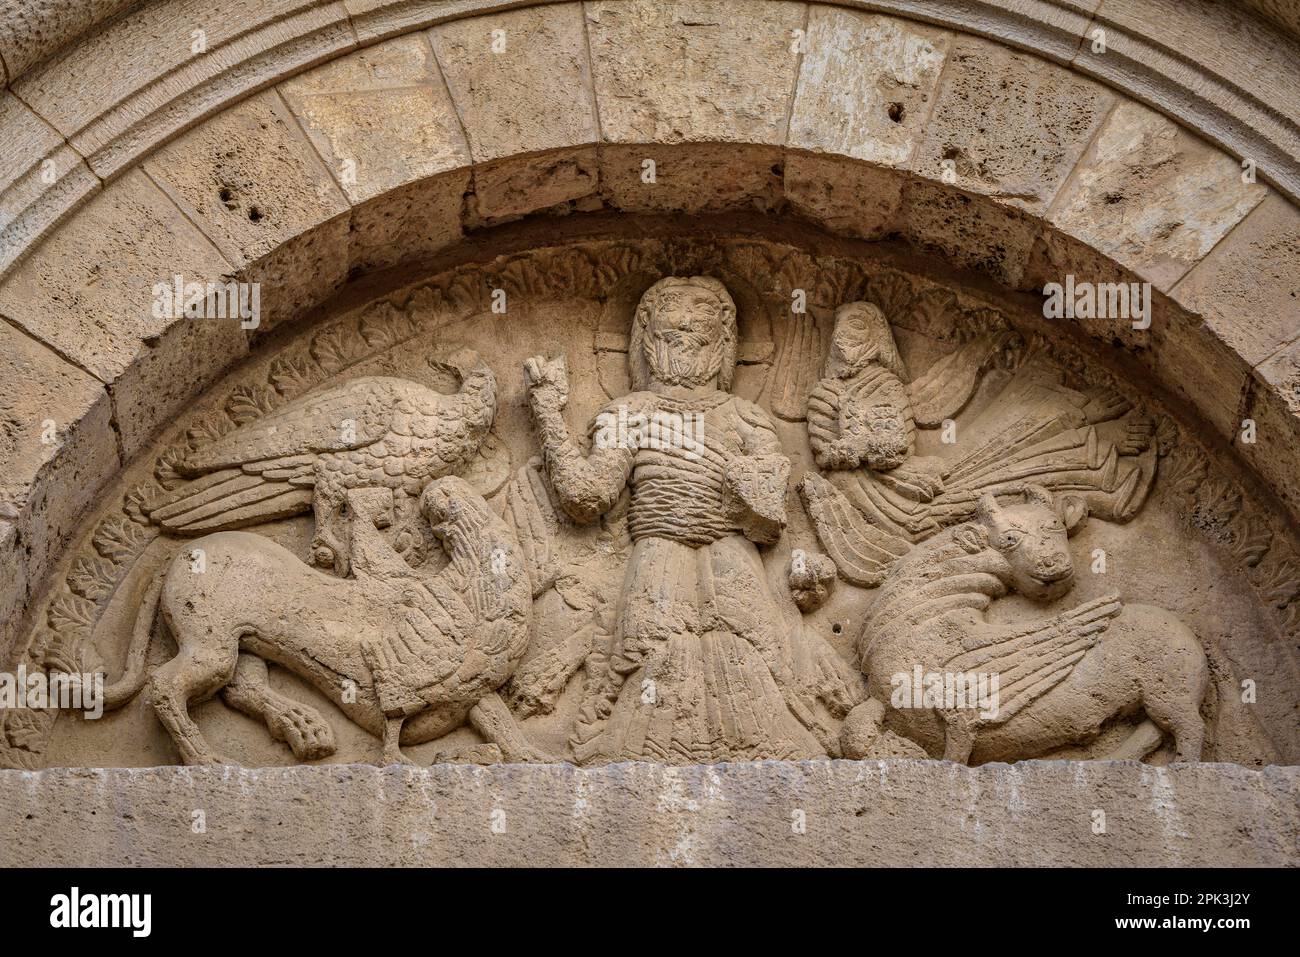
(837, 628)
(896, 112)
(225, 194)
(254, 214)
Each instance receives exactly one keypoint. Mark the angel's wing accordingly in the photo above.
(941, 391)
(347, 416)
(863, 553)
(1030, 661)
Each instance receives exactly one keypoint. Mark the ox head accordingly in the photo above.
(1030, 539)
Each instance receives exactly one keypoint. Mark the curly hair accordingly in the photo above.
(636, 354)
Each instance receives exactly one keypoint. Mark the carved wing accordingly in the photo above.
(862, 552)
(265, 469)
(531, 515)
(347, 416)
(1031, 661)
(941, 391)
(232, 499)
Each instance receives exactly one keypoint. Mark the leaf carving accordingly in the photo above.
(120, 539)
(249, 402)
(92, 578)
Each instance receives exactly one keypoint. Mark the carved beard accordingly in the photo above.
(685, 359)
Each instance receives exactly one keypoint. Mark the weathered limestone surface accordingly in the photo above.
(522, 85)
(855, 199)
(886, 813)
(971, 230)
(703, 70)
(1008, 125)
(90, 295)
(41, 178)
(521, 89)
(146, 77)
(866, 85)
(56, 436)
(384, 123)
(253, 183)
(31, 31)
(121, 79)
(1248, 291)
(1154, 197)
(692, 178)
(381, 118)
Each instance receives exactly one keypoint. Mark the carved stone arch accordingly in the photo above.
(244, 174)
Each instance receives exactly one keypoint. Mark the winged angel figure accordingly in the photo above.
(881, 498)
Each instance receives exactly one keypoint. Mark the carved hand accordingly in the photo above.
(757, 486)
(547, 381)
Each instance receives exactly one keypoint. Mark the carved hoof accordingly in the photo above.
(471, 754)
(308, 735)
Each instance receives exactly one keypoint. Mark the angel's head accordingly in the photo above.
(862, 338)
(684, 333)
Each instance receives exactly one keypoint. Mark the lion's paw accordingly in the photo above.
(308, 734)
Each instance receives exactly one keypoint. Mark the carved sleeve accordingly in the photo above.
(587, 486)
(829, 450)
(757, 478)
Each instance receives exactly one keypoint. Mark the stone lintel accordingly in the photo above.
(848, 813)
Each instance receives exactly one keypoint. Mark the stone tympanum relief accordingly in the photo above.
(618, 500)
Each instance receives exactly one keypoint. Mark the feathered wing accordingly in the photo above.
(231, 499)
(862, 552)
(265, 469)
(348, 416)
(1031, 661)
(941, 391)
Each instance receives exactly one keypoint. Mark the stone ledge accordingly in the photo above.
(869, 813)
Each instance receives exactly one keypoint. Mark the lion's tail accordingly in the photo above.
(132, 680)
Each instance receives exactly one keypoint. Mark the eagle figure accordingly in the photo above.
(368, 432)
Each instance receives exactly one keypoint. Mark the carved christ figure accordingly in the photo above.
(699, 668)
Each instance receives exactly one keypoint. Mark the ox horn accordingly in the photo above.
(1037, 495)
(987, 509)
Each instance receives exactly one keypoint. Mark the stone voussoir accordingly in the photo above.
(91, 296)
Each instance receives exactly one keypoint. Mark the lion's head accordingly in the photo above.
(446, 502)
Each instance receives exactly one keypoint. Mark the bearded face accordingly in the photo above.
(683, 344)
